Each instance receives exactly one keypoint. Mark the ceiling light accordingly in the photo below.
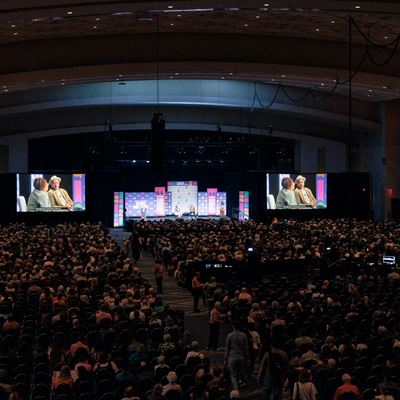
(266, 5)
(97, 19)
(386, 37)
(172, 24)
(62, 83)
(6, 90)
(170, 6)
(317, 29)
(246, 25)
(369, 90)
(15, 33)
(179, 15)
(69, 12)
(13, 26)
(222, 77)
(322, 84)
(273, 80)
(332, 22)
(95, 27)
(148, 161)
(117, 79)
(5, 86)
(357, 7)
(230, 73)
(171, 77)
(384, 87)
(257, 16)
(283, 76)
(176, 73)
(63, 79)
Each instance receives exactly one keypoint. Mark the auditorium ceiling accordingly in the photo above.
(302, 44)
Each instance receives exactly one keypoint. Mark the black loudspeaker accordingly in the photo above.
(157, 142)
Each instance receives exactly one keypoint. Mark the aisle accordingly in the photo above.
(181, 299)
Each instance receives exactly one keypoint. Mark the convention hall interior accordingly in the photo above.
(200, 200)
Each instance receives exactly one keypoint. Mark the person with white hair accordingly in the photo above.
(171, 385)
(304, 195)
(58, 197)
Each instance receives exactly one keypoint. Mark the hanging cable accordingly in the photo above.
(381, 64)
(369, 41)
(300, 99)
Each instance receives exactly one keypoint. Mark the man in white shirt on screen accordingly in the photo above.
(59, 197)
(303, 194)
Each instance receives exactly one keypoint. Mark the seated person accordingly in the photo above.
(303, 194)
(39, 198)
(286, 197)
(59, 197)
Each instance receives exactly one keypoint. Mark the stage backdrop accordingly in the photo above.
(184, 194)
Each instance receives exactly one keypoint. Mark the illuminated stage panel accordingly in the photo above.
(244, 211)
(118, 209)
(160, 201)
(321, 195)
(212, 201)
(221, 204)
(140, 204)
(202, 204)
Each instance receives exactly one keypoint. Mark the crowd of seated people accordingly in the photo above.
(319, 339)
(79, 322)
(229, 240)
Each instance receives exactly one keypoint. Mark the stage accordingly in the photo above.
(176, 218)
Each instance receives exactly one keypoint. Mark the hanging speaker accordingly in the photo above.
(157, 142)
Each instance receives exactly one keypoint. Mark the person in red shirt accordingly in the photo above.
(197, 288)
(345, 388)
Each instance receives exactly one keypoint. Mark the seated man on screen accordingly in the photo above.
(39, 198)
(304, 195)
(286, 198)
(59, 197)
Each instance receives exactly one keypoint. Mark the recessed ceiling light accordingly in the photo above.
(179, 15)
(42, 81)
(63, 79)
(15, 33)
(257, 16)
(69, 12)
(117, 79)
(62, 83)
(384, 87)
(120, 75)
(97, 19)
(231, 73)
(283, 76)
(172, 24)
(317, 29)
(222, 77)
(6, 90)
(332, 22)
(176, 73)
(357, 7)
(12, 26)
(170, 6)
(273, 80)
(4, 86)
(386, 37)
(266, 5)
(95, 27)
(322, 84)
(171, 77)
(369, 90)
(246, 25)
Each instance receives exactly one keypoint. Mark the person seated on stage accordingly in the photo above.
(286, 197)
(178, 211)
(303, 194)
(192, 210)
(39, 198)
(59, 197)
